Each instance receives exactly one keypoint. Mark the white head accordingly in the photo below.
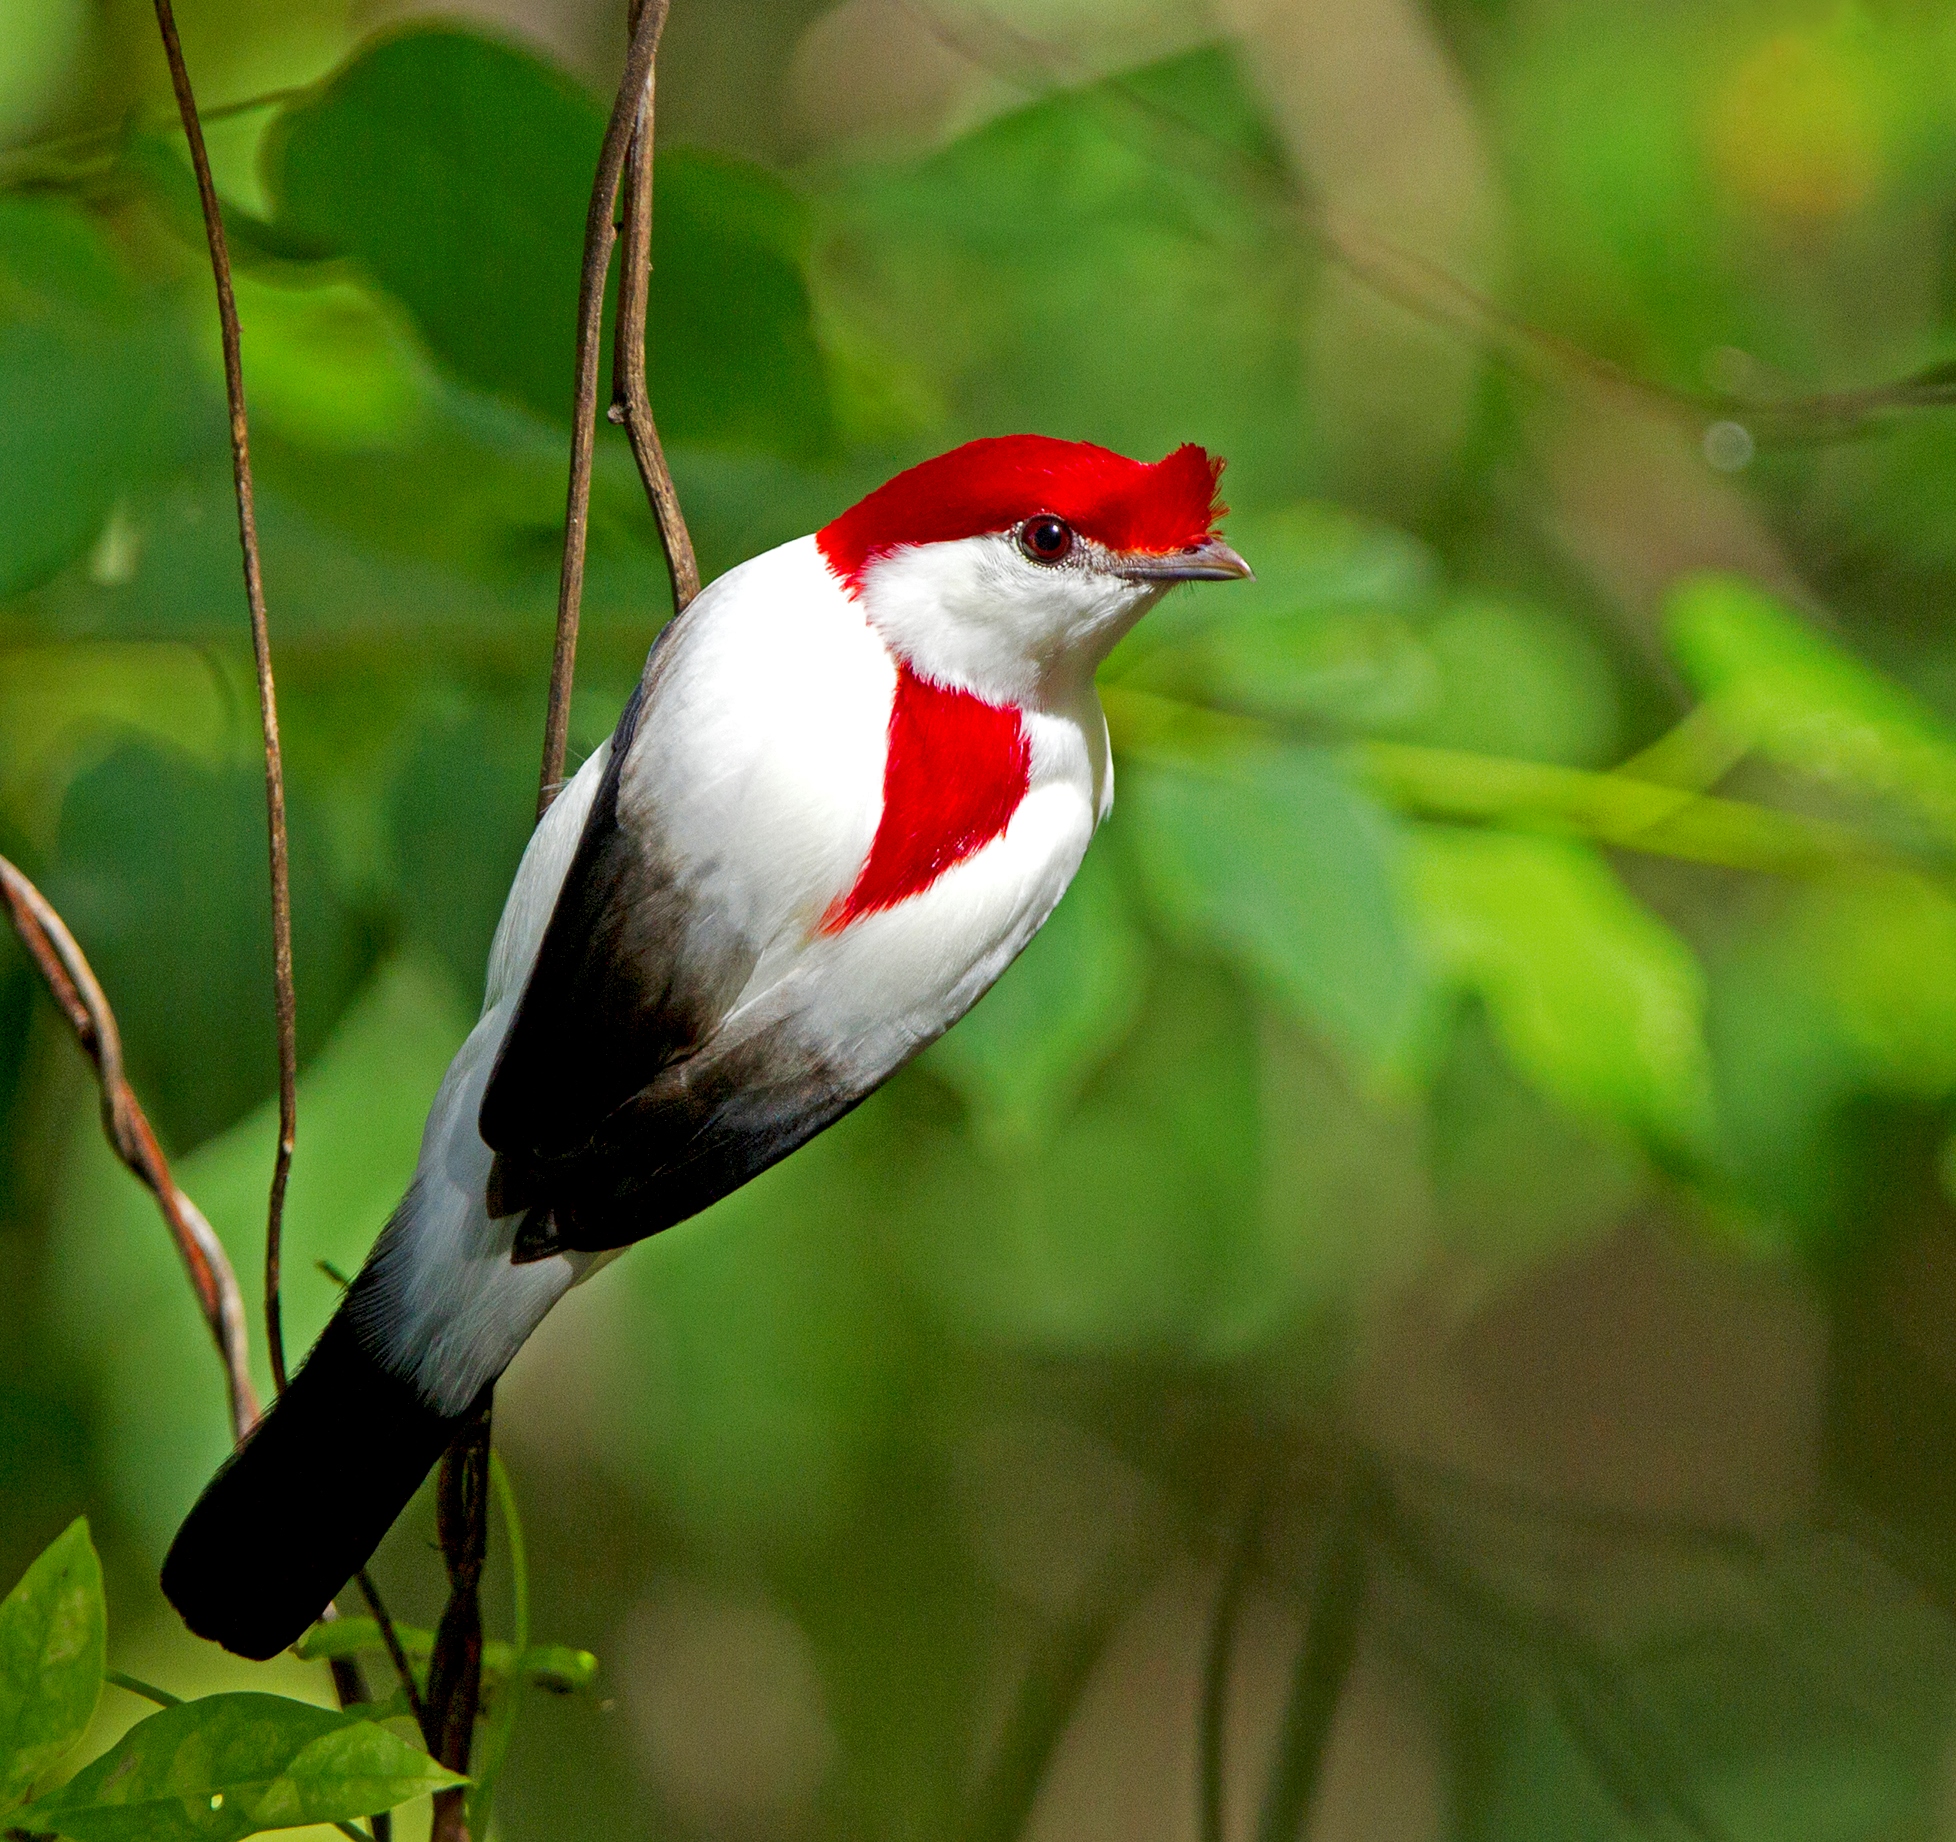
(1009, 567)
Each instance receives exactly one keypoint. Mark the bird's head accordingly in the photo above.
(1010, 566)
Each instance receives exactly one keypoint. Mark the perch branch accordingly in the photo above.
(65, 970)
(455, 1667)
(71, 982)
(391, 1638)
(631, 403)
(347, 1680)
(261, 648)
(631, 113)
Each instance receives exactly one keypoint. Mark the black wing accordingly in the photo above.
(617, 1105)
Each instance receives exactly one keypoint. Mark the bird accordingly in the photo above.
(858, 772)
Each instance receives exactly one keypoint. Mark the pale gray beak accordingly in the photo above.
(1214, 561)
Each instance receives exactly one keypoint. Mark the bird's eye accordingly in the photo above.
(1046, 539)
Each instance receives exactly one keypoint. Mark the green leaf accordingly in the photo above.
(160, 871)
(333, 364)
(91, 396)
(1517, 681)
(1167, 310)
(1022, 1055)
(59, 702)
(1320, 628)
(1877, 947)
(53, 1629)
(458, 170)
(1597, 1001)
(1808, 704)
(1278, 861)
(1363, 671)
(227, 1766)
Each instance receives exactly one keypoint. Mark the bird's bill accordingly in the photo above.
(1214, 561)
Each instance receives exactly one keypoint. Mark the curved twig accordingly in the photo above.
(631, 112)
(283, 1004)
(64, 968)
(631, 404)
(347, 1680)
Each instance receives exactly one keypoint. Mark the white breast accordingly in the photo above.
(891, 981)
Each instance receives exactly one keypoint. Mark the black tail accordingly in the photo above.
(299, 1507)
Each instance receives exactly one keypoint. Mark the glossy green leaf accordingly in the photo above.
(228, 1766)
(1275, 860)
(1597, 1001)
(458, 170)
(1808, 703)
(53, 1628)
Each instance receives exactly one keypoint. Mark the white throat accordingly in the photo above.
(977, 614)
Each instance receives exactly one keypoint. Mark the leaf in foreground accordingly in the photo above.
(1599, 1003)
(52, 1633)
(227, 1766)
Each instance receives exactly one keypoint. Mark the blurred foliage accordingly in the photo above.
(1478, 1142)
(216, 1769)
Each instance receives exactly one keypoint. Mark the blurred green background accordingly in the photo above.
(1449, 1237)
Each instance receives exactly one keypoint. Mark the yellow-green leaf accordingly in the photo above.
(227, 1766)
(1807, 703)
(52, 1632)
(1598, 1002)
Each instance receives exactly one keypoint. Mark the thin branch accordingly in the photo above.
(632, 109)
(71, 982)
(65, 970)
(631, 404)
(392, 1639)
(455, 1667)
(261, 649)
(347, 1680)
(1426, 289)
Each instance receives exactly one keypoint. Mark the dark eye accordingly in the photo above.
(1046, 539)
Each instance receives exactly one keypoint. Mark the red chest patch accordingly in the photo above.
(956, 771)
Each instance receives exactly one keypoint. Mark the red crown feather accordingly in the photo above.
(997, 483)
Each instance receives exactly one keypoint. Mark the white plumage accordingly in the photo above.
(760, 749)
(859, 772)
